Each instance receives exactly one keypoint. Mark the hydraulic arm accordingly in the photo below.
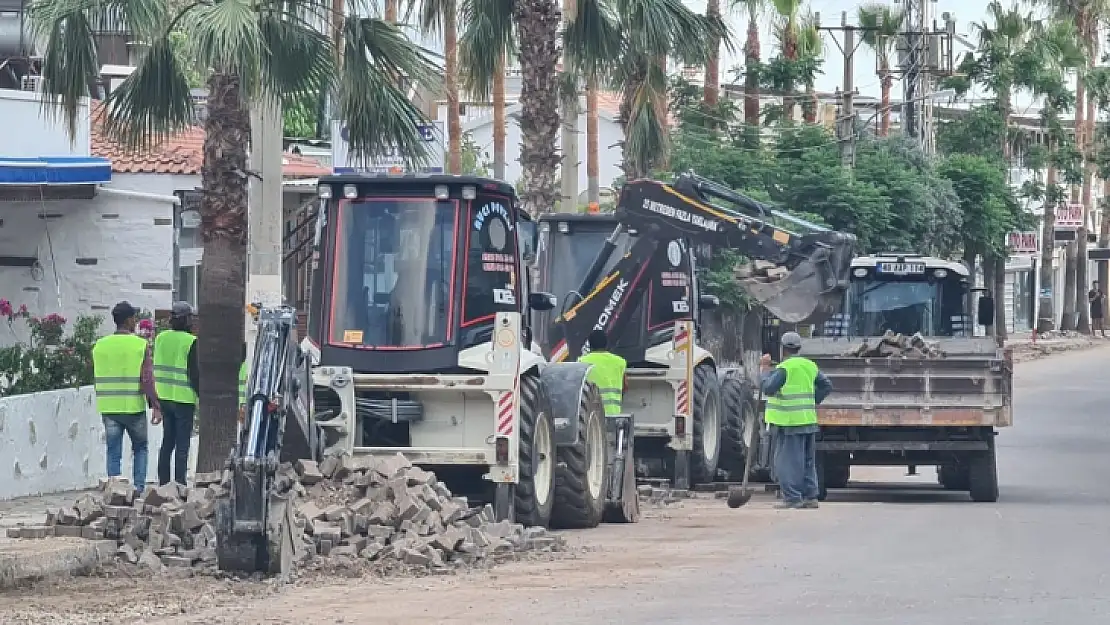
(254, 526)
(699, 211)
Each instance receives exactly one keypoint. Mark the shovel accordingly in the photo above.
(738, 496)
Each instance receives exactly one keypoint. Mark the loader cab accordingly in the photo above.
(906, 294)
(411, 270)
(568, 245)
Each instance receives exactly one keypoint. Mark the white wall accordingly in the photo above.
(92, 253)
(54, 441)
(28, 133)
(609, 134)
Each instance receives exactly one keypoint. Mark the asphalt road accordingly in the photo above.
(903, 553)
(1040, 555)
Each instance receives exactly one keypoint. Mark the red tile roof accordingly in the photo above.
(181, 154)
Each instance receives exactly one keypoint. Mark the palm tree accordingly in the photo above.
(787, 32)
(484, 47)
(537, 28)
(712, 87)
(631, 40)
(250, 52)
(880, 25)
(811, 46)
(752, 61)
(442, 16)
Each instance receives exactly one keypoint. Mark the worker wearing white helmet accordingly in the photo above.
(793, 390)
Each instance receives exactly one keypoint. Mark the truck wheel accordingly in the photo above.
(983, 475)
(741, 425)
(954, 476)
(837, 474)
(534, 492)
(707, 426)
(582, 469)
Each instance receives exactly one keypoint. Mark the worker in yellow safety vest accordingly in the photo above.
(123, 379)
(793, 389)
(607, 372)
(177, 378)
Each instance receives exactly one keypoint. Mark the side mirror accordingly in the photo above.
(708, 302)
(538, 300)
(527, 234)
(984, 312)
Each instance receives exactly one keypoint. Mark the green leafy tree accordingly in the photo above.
(249, 52)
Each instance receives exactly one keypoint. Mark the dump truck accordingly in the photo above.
(420, 343)
(633, 274)
(912, 385)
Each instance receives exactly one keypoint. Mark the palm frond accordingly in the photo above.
(486, 39)
(226, 36)
(299, 59)
(379, 116)
(151, 104)
(593, 38)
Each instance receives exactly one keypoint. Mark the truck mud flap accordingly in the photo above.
(564, 383)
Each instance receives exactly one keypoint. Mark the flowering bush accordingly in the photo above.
(52, 360)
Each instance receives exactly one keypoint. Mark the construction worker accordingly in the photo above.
(177, 378)
(607, 372)
(124, 382)
(793, 390)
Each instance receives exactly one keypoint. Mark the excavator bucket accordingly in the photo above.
(813, 288)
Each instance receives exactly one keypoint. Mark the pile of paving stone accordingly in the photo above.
(760, 271)
(892, 344)
(379, 510)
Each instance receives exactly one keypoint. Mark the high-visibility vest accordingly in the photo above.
(607, 373)
(171, 366)
(243, 383)
(794, 404)
(117, 372)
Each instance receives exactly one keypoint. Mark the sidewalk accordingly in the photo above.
(23, 560)
(1027, 347)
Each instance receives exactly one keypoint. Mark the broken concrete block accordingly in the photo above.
(344, 550)
(207, 479)
(88, 510)
(149, 561)
(13, 532)
(417, 476)
(92, 533)
(160, 495)
(119, 494)
(63, 531)
(328, 466)
(372, 550)
(177, 561)
(414, 557)
(127, 554)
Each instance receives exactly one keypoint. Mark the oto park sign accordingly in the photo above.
(345, 163)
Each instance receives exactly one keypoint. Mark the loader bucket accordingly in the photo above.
(814, 288)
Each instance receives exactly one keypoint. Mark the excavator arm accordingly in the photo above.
(254, 525)
(816, 264)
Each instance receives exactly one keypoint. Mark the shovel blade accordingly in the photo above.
(738, 496)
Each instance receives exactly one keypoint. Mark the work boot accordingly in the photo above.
(810, 503)
(788, 505)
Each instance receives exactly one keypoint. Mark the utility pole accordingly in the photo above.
(925, 52)
(846, 121)
(265, 214)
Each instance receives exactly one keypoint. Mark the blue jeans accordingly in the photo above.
(135, 426)
(796, 465)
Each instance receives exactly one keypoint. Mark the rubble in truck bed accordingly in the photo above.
(896, 345)
(390, 514)
(760, 271)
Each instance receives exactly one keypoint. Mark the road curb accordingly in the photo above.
(22, 561)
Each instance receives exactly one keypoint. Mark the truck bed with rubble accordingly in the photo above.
(912, 387)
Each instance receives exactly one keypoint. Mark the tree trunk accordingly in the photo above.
(223, 210)
(712, 89)
(451, 85)
(751, 76)
(1068, 320)
(391, 11)
(970, 256)
(593, 155)
(1104, 237)
(998, 288)
(790, 52)
(989, 271)
(886, 81)
(537, 27)
(1046, 308)
(809, 109)
(499, 120)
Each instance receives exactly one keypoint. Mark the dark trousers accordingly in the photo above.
(796, 464)
(177, 432)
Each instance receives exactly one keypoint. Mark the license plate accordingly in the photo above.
(902, 268)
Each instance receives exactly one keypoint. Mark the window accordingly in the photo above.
(393, 273)
(491, 257)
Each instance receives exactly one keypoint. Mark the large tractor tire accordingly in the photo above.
(982, 472)
(582, 469)
(741, 427)
(534, 495)
(707, 425)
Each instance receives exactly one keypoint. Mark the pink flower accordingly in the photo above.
(23, 310)
(6, 308)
